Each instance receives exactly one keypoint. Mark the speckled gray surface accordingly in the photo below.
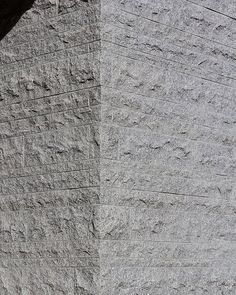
(117, 149)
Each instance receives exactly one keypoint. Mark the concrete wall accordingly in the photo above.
(117, 149)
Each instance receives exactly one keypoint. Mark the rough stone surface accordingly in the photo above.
(118, 148)
(50, 109)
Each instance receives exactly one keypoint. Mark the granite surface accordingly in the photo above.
(118, 149)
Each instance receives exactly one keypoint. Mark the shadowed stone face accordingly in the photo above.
(10, 13)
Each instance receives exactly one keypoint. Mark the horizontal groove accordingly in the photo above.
(220, 266)
(209, 142)
(169, 40)
(96, 206)
(166, 135)
(169, 26)
(6, 73)
(177, 71)
(194, 175)
(51, 190)
(45, 242)
(49, 96)
(85, 161)
(177, 213)
(45, 54)
(101, 240)
(82, 108)
(61, 258)
(193, 242)
(55, 172)
(164, 100)
(212, 10)
(162, 192)
(56, 34)
(34, 133)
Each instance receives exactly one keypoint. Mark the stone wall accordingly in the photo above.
(49, 120)
(117, 149)
(168, 148)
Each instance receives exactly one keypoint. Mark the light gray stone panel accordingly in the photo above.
(156, 281)
(117, 149)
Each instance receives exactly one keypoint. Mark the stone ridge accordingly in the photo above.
(117, 149)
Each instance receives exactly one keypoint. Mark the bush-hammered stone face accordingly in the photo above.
(117, 147)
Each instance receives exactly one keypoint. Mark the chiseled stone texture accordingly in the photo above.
(168, 147)
(49, 150)
(118, 149)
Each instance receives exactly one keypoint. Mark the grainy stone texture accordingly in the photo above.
(168, 153)
(49, 149)
(117, 149)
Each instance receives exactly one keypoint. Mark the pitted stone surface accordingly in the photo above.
(49, 151)
(168, 148)
(118, 149)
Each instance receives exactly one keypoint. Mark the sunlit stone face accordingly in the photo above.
(10, 13)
